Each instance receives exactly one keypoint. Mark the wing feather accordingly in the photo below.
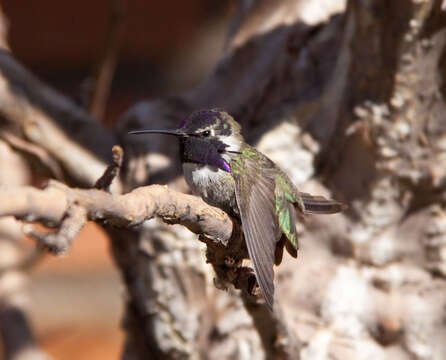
(256, 202)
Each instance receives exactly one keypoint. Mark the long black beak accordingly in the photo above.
(166, 132)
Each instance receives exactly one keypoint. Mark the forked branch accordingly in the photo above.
(58, 205)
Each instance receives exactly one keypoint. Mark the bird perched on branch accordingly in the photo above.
(230, 174)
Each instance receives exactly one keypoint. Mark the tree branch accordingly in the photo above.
(46, 117)
(53, 206)
(112, 171)
(109, 59)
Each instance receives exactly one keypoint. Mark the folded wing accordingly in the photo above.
(256, 202)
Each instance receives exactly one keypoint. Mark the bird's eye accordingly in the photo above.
(206, 133)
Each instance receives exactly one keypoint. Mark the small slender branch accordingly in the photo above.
(35, 151)
(112, 170)
(70, 227)
(108, 62)
(78, 161)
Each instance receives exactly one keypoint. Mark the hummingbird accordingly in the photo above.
(228, 173)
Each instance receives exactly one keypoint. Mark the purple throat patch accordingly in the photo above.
(225, 166)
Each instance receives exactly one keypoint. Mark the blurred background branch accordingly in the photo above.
(107, 65)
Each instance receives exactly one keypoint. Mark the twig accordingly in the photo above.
(33, 150)
(70, 227)
(112, 170)
(108, 62)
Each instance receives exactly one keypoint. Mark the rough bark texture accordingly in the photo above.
(358, 101)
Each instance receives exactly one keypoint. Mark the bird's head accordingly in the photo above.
(209, 137)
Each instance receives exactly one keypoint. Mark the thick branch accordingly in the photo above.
(53, 204)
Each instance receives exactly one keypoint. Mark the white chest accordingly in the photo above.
(214, 185)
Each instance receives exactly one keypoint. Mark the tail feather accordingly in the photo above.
(321, 205)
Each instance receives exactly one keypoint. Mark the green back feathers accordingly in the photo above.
(238, 162)
(286, 212)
